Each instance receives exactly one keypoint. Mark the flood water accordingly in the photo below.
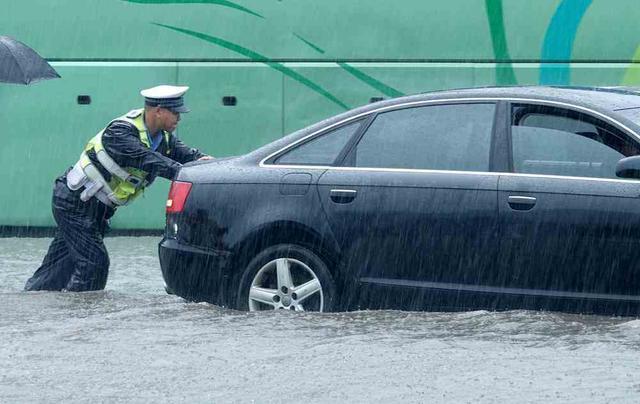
(134, 343)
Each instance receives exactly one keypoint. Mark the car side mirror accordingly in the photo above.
(628, 167)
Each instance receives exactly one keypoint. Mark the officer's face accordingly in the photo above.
(168, 119)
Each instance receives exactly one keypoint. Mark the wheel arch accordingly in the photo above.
(284, 232)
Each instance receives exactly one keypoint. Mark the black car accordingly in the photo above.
(490, 198)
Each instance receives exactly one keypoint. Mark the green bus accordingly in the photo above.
(260, 69)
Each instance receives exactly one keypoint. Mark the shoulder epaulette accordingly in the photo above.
(134, 113)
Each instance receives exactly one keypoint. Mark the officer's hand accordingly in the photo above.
(205, 158)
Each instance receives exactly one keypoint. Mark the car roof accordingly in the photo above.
(600, 98)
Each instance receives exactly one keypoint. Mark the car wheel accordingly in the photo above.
(286, 277)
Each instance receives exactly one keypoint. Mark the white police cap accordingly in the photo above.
(164, 96)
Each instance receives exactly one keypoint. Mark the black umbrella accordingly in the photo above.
(21, 64)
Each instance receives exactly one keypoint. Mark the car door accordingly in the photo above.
(414, 206)
(570, 229)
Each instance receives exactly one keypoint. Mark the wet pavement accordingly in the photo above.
(134, 343)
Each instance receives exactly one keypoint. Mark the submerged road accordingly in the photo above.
(134, 343)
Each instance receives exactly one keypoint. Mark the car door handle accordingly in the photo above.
(522, 202)
(343, 195)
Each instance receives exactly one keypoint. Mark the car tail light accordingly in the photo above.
(177, 196)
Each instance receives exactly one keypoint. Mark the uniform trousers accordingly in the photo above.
(77, 259)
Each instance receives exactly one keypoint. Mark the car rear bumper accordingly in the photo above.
(194, 273)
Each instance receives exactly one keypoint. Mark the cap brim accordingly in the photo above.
(181, 109)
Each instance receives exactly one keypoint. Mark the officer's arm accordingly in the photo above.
(121, 141)
(182, 153)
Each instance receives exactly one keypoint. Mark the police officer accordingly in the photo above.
(114, 168)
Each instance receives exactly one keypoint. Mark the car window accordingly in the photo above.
(442, 137)
(560, 142)
(322, 150)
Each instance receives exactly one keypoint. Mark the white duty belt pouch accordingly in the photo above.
(90, 190)
(76, 178)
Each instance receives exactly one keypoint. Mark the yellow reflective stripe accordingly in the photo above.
(95, 143)
(138, 122)
(145, 139)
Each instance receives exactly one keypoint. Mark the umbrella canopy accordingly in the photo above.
(22, 65)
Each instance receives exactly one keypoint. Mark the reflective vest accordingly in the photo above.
(125, 184)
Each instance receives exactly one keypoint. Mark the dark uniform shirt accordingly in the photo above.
(121, 141)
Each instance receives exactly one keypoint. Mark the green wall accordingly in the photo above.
(288, 62)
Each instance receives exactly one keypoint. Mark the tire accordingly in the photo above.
(288, 277)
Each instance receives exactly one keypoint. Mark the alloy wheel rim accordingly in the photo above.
(286, 284)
